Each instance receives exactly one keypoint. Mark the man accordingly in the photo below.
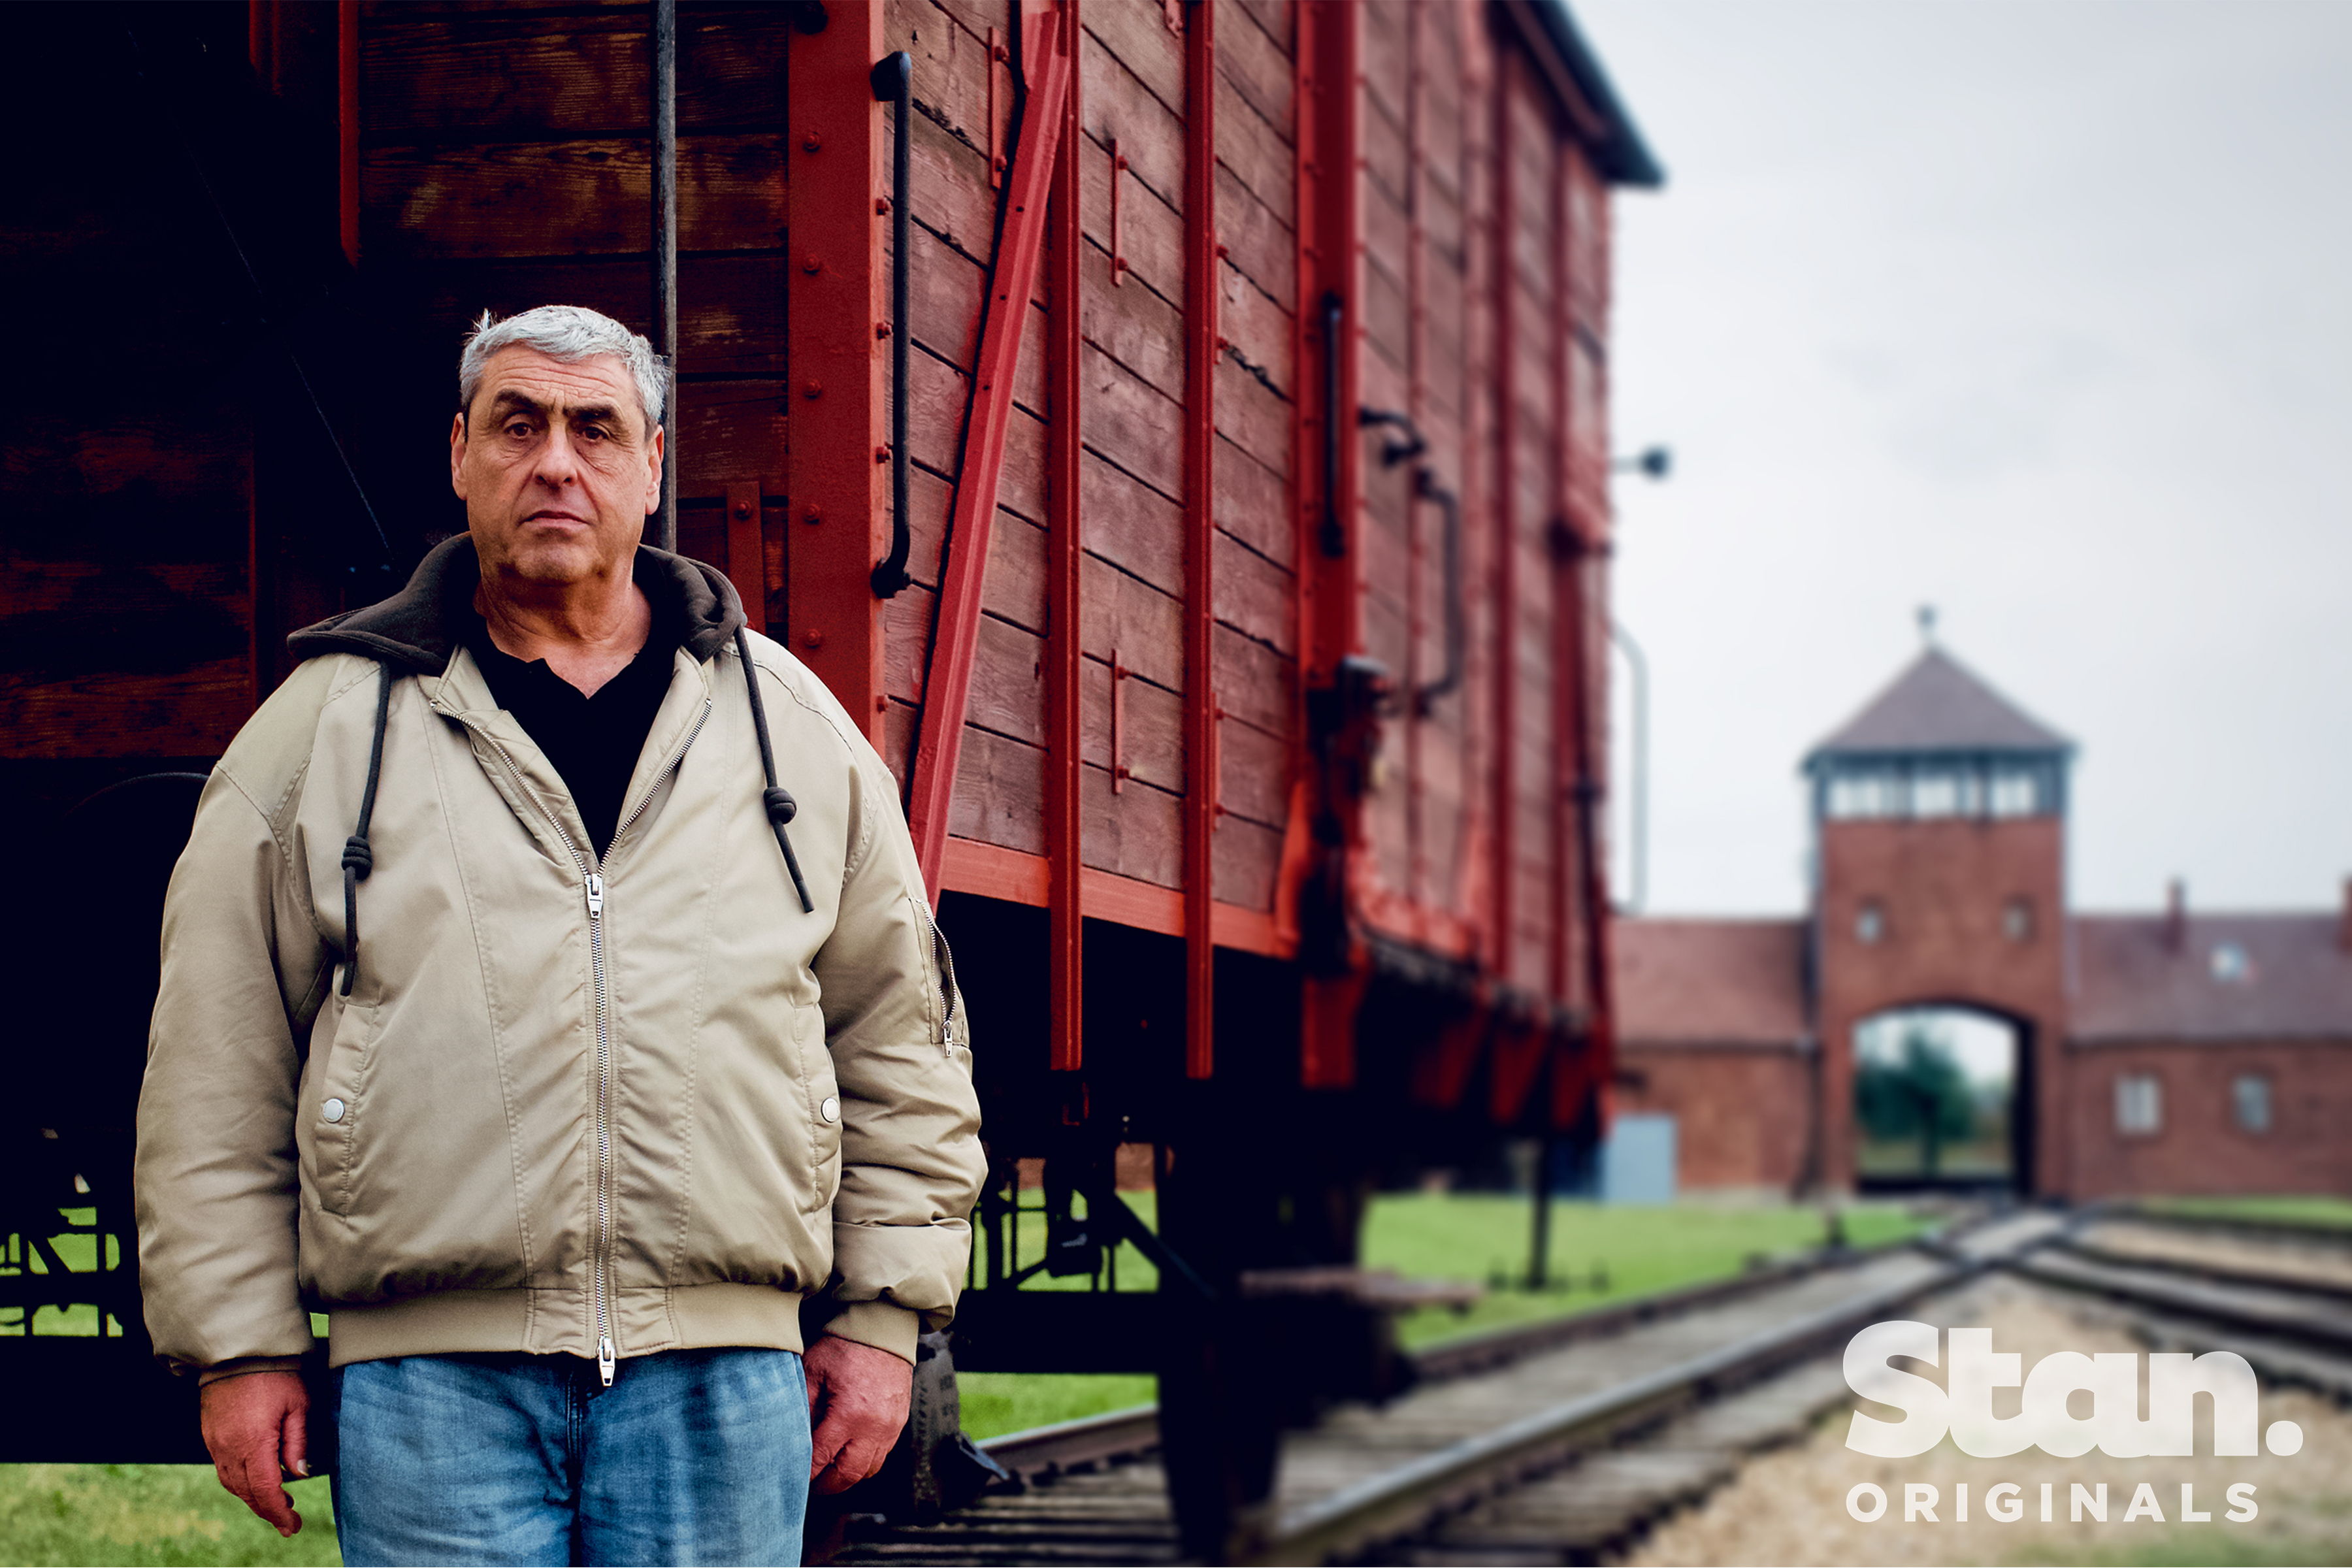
(549, 996)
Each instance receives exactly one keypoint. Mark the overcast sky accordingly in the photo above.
(2038, 313)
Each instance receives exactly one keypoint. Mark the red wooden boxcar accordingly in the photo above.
(1211, 528)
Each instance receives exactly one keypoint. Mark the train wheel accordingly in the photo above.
(1220, 1439)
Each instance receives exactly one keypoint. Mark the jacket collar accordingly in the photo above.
(418, 628)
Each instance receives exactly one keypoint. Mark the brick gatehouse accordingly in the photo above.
(2167, 1052)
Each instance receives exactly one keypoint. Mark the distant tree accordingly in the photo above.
(1922, 1094)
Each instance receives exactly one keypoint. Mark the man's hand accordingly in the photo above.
(256, 1426)
(858, 1401)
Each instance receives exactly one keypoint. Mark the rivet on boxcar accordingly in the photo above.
(742, 508)
(812, 638)
(812, 389)
(881, 207)
(881, 329)
(811, 143)
(811, 516)
(810, 264)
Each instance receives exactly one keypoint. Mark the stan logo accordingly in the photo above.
(2044, 1420)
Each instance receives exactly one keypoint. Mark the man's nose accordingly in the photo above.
(558, 459)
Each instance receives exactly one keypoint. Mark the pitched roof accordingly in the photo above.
(1710, 981)
(1940, 705)
(2289, 978)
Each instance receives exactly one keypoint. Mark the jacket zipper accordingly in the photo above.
(591, 886)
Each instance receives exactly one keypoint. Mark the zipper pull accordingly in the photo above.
(595, 885)
(605, 1359)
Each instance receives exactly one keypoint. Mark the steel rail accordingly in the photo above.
(1119, 1433)
(2218, 1273)
(1397, 1502)
(2321, 1321)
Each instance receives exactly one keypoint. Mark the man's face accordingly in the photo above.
(556, 467)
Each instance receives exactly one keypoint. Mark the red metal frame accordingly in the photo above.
(1065, 917)
(1567, 659)
(1504, 827)
(1201, 350)
(837, 462)
(1012, 280)
(1328, 58)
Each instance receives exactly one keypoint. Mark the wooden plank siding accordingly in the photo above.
(504, 161)
(1132, 375)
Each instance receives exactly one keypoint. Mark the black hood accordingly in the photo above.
(419, 627)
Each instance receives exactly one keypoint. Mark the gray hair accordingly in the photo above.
(569, 334)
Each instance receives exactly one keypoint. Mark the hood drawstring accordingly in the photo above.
(782, 808)
(358, 858)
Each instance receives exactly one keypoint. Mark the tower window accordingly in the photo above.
(2140, 1104)
(1936, 795)
(2250, 1098)
(1870, 923)
(2014, 794)
(2230, 964)
(2017, 920)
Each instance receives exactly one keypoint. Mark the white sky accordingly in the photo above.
(2041, 313)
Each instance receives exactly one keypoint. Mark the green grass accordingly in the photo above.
(148, 1514)
(2215, 1546)
(2320, 1214)
(1600, 1255)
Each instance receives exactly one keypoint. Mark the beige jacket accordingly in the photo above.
(546, 1120)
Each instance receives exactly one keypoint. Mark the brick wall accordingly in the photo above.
(1743, 1115)
(1943, 890)
(2198, 1146)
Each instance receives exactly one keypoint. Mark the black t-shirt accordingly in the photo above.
(593, 742)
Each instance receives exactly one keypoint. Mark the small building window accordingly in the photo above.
(1870, 924)
(2230, 964)
(2017, 920)
(1936, 795)
(2140, 1104)
(2250, 1098)
(2014, 794)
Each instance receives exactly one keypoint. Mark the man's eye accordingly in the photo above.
(518, 430)
(592, 432)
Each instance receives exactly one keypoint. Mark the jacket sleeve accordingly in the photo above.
(216, 1178)
(911, 1158)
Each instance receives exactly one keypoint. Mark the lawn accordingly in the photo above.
(2320, 1214)
(1599, 1255)
(179, 1514)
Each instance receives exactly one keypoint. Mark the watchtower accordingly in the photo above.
(1939, 820)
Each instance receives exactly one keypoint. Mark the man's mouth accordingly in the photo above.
(553, 516)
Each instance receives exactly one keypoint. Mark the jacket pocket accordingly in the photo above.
(332, 1107)
(944, 1001)
(824, 1090)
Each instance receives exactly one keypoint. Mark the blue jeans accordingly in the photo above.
(691, 1457)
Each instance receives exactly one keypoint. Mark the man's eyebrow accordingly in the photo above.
(512, 402)
(595, 413)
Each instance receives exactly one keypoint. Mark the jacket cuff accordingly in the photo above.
(881, 1324)
(243, 1365)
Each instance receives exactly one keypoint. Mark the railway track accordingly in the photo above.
(1490, 1414)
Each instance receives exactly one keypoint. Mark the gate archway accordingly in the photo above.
(1942, 1099)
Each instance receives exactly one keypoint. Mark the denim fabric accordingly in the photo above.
(691, 1457)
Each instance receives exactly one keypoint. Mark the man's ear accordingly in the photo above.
(655, 448)
(457, 454)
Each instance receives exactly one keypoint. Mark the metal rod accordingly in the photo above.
(1200, 355)
(1638, 663)
(1539, 1242)
(893, 81)
(665, 227)
(1065, 923)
